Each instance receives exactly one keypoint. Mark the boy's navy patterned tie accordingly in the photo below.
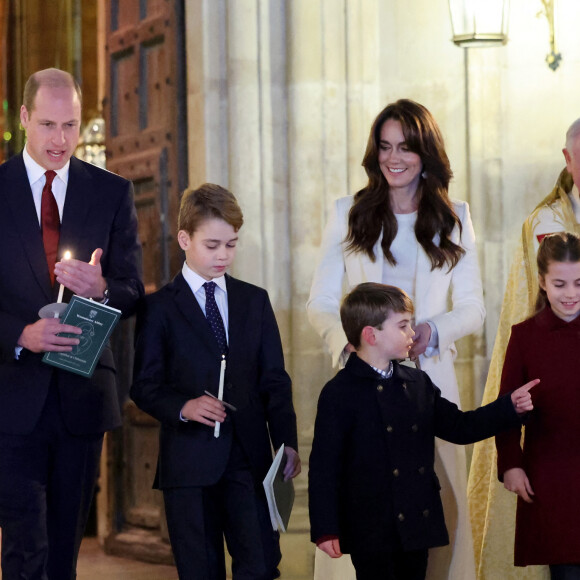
(214, 317)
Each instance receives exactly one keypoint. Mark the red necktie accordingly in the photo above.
(49, 223)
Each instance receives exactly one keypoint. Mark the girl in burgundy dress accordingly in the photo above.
(545, 472)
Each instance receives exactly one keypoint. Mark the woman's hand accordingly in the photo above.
(516, 480)
(420, 340)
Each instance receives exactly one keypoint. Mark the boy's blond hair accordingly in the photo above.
(206, 202)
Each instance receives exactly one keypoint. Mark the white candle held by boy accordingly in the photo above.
(216, 431)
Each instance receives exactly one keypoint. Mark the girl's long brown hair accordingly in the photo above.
(559, 247)
(371, 211)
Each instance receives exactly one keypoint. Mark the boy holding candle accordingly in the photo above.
(209, 332)
(373, 491)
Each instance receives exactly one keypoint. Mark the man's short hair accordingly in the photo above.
(206, 202)
(49, 77)
(370, 304)
(572, 134)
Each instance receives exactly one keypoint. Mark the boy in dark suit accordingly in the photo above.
(373, 490)
(210, 478)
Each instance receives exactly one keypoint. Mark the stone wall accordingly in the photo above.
(281, 98)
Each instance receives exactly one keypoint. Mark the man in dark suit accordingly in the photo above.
(212, 485)
(51, 421)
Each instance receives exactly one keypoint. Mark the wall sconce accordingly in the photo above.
(554, 57)
(478, 23)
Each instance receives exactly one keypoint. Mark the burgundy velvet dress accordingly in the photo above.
(548, 348)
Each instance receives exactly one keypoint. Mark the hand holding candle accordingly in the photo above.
(216, 431)
(67, 256)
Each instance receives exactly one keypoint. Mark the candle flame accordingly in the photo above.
(67, 255)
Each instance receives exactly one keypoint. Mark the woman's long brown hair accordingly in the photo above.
(371, 211)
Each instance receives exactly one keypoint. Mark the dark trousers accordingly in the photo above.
(565, 572)
(395, 565)
(47, 480)
(199, 518)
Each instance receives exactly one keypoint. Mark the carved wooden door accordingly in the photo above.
(145, 117)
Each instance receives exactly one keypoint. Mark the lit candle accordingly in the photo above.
(67, 256)
(216, 431)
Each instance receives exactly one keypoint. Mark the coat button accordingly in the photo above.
(415, 428)
(425, 513)
(396, 472)
(404, 385)
(421, 471)
(389, 429)
(401, 517)
(380, 388)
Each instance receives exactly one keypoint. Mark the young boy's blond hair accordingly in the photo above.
(206, 202)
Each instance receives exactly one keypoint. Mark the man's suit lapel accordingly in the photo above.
(237, 316)
(189, 307)
(19, 198)
(80, 198)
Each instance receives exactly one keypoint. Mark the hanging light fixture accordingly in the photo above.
(479, 23)
(553, 58)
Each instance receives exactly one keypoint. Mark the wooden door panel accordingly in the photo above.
(144, 113)
(124, 14)
(124, 105)
(154, 110)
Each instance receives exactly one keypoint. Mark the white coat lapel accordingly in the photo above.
(373, 271)
(422, 284)
(360, 268)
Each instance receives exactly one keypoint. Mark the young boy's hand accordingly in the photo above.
(204, 409)
(331, 547)
(516, 480)
(521, 398)
(293, 466)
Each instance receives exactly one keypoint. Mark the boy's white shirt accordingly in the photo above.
(196, 282)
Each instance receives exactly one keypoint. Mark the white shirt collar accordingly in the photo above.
(36, 171)
(196, 281)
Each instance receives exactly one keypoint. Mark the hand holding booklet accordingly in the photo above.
(279, 493)
(97, 322)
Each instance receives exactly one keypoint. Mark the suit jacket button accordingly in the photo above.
(401, 517)
(389, 429)
(425, 513)
(229, 386)
(404, 385)
(421, 471)
(415, 428)
(380, 388)
(396, 472)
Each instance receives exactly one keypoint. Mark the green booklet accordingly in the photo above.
(279, 493)
(97, 322)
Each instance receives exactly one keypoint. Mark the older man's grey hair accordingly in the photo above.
(571, 135)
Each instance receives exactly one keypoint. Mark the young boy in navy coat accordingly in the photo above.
(373, 491)
(212, 485)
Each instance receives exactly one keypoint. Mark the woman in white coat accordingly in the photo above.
(402, 229)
